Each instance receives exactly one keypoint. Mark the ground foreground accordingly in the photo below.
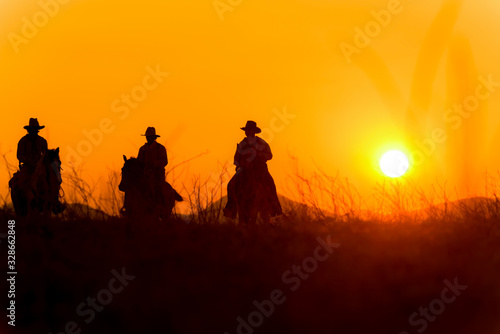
(298, 276)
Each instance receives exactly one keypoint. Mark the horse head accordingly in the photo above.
(46, 183)
(49, 166)
(132, 173)
(51, 158)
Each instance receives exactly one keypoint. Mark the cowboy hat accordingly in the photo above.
(151, 131)
(33, 124)
(251, 126)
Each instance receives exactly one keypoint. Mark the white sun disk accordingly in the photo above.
(394, 163)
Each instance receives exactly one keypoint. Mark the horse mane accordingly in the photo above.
(134, 170)
(49, 161)
(133, 162)
(51, 154)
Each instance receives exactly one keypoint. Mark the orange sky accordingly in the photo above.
(257, 60)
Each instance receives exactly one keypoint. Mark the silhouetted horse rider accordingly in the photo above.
(27, 189)
(153, 157)
(251, 157)
(31, 147)
(30, 150)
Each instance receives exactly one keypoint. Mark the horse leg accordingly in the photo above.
(252, 218)
(56, 207)
(251, 208)
(155, 199)
(242, 214)
(265, 216)
(252, 211)
(264, 209)
(32, 202)
(19, 201)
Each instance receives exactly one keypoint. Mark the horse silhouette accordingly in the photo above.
(36, 189)
(251, 191)
(252, 197)
(139, 198)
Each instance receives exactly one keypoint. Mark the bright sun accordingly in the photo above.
(394, 163)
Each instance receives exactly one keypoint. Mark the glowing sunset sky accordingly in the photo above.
(334, 83)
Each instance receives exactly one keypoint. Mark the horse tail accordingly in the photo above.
(177, 197)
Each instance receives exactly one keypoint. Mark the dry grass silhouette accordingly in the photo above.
(310, 196)
(199, 271)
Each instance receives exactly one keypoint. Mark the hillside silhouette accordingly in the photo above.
(199, 278)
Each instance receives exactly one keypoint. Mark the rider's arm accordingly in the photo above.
(44, 145)
(264, 151)
(162, 157)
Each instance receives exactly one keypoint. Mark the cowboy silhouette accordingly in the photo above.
(31, 147)
(153, 157)
(44, 191)
(251, 156)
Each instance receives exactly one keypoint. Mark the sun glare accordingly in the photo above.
(394, 163)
